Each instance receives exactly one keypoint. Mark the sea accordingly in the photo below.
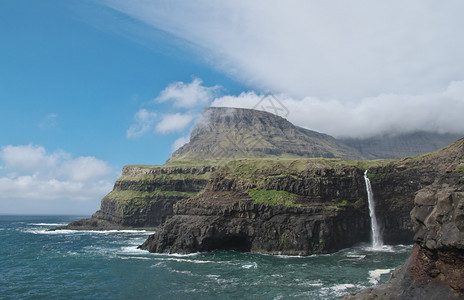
(39, 264)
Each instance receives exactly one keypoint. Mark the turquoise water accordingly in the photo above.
(38, 264)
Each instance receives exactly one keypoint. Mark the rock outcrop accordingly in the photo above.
(144, 196)
(435, 269)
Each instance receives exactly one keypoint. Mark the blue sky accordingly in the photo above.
(89, 86)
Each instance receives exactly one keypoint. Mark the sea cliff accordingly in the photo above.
(435, 269)
(143, 196)
(293, 207)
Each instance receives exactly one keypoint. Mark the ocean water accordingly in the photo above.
(39, 264)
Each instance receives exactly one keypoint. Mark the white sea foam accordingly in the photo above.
(193, 261)
(253, 265)
(132, 250)
(136, 257)
(342, 287)
(310, 283)
(178, 254)
(47, 224)
(338, 290)
(374, 276)
(356, 256)
(383, 248)
(71, 231)
(287, 256)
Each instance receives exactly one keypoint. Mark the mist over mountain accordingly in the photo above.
(234, 133)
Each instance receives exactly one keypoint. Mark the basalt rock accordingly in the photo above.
(144, 196)
(329, 211)
(396, 184)
(435, 269)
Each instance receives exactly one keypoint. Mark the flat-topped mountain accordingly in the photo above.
(234, 133)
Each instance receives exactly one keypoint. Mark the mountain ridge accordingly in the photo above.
(237, 133)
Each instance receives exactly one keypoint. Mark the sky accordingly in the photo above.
(89, 86)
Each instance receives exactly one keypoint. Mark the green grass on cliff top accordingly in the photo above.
(273, 197)
(298, 163)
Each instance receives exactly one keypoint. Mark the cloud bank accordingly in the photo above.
(385, 114)
(344, 50)
(30, 173)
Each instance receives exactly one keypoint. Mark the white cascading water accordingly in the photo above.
(377, 242)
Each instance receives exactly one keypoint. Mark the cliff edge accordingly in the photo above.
(435, 269)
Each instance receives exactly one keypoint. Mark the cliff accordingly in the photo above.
(293, 207)
(259, 203)
(435, 269)
(396, 184)
(144, 195)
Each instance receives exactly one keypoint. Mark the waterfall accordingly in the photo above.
(375, 230)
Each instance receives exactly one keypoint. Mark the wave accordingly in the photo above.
(71, 231)
(132, 250)
(339, 290)
(194, 261)
(374, 276)
(47, 224)
(250, 266)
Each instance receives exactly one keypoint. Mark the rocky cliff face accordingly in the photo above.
(435, 269)
(144, 196)
(329, 198)
(396, 184)
(277, 207)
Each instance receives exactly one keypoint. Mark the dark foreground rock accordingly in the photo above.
(204, 224)
(297, 207)
(435, 269)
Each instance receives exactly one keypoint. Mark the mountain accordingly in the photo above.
(236, 133)
(397, 146)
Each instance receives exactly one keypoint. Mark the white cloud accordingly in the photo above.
(29, 157)
(187, 95)
(180, 142)
(174, 122)
(387, 113)
(144, 122)
(85, 169)
(35, 175)
(325, 49)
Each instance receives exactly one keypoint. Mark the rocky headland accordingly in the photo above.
(299, 207)
(294, 207)
(144, 195)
